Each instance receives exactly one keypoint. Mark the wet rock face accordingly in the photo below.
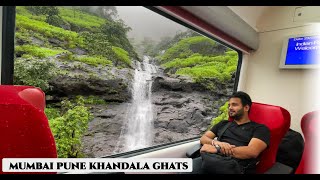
(182, 109)
(110, 90)
(104, 130)
(178, 115)
(78, 51)
(184, 84)
(110, 83)
(181, 115)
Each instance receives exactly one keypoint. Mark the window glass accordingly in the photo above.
(121, 78)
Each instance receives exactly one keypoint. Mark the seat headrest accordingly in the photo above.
(24, 128)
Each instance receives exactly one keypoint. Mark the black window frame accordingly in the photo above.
(8, 39)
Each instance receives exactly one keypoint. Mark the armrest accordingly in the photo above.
(279, 168)
(194, 151)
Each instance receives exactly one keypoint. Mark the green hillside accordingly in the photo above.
(70, 29)
(200, 58)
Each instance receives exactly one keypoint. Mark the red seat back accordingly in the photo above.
(277, 119)
(309, 129)
(24, 128)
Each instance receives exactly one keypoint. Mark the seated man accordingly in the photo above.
(243, 139)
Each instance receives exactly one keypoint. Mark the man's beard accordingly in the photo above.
(238, 115)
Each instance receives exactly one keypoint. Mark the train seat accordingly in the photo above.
(277, 119)
(24, 127)
(309, 129)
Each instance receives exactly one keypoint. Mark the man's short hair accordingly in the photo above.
(245, 98)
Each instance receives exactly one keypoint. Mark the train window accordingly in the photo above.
(119, 79)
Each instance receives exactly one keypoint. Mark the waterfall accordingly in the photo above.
(137, 131)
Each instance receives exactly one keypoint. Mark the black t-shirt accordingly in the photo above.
(240, 135)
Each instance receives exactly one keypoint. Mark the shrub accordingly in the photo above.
(195, 59)
(52, 113)
(47, 30)
(69, 128)
(92, 60)
(121, 56)
(97, 44)
(223, 115)
(80, 18)
(33, 72)
(36, 51)
(93, 100)
(23, 35)
(201, 68)
(182, 48)
(217, 71)
(56, 20)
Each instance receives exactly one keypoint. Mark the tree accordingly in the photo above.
(69, 128)
(51, 10)
(43, 10)
(166, 42)
(51, 13)
(35, 10)
(108, 12)
(97, 44)
(117, 29)
(116, 32)
(34, 72)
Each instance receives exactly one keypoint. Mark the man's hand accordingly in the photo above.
(226, 148)
(208, 148)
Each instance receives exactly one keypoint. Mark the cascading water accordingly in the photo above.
(137, 131)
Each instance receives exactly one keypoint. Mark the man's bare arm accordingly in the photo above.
(208, 148)
(254, 148)
(207, 137)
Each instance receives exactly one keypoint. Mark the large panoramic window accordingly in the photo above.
(119, 79)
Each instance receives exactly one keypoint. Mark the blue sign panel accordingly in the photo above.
(303, 51)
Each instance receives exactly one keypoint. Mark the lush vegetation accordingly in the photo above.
(198, 59)
(48, 34)
(154, 49)
(121, 55)
(219, 67)
(62, 29)
(223, 115)
(27, 70)
(81, 19)
(48, 31)
(93, 100)
(91, 60)
(202, 59)
(68, 122)
(24, 11)
(45, 34)
(52, 113)
(29, 51)
(188, 46)
(68, 127)
(97, 43)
